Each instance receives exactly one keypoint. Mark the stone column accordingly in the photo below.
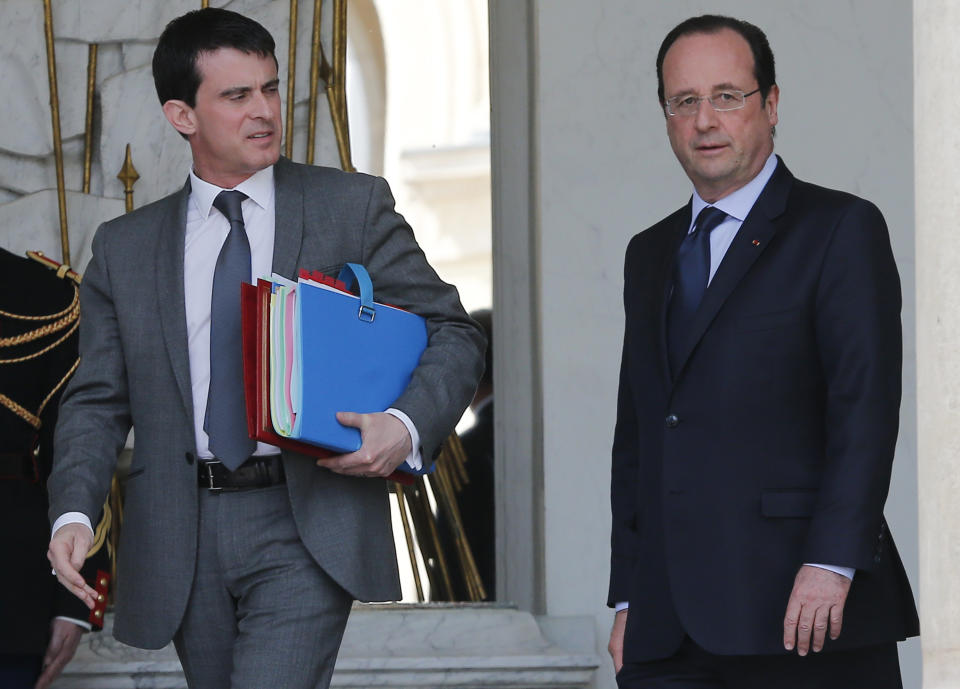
(937, 141)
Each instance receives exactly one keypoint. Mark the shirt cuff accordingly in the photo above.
(842, 571)
(622, 605)
(71, 518)
(80, 623)
(414, 460)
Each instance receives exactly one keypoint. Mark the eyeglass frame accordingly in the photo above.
(743, 102)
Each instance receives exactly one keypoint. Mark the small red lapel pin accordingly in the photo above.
(756, 242)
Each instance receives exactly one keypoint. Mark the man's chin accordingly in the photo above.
(267, 158)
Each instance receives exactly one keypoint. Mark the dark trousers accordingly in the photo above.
(19, 671)
(691, 667)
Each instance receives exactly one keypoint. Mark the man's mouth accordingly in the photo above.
(261, 135)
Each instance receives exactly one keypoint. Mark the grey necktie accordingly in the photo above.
(225, 419)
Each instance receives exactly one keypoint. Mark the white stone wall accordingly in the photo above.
(127, 111)
(938, 335)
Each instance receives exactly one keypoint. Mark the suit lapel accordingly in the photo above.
(750, 242)
(173, 313)
(675, 237)
(288, 213)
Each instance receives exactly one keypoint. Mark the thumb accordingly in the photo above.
(352, 419)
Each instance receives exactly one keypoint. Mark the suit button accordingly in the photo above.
(673, 421)
(189, 457)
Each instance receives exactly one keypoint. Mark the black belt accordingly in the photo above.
(256, 472)
(19, 466)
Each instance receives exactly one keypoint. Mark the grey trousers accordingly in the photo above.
(261, 613)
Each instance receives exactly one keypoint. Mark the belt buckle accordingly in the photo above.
(211, 487)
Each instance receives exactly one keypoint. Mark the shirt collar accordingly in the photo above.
(738, 203)
(258, 187)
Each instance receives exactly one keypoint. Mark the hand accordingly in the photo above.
(64, 639)
(68, 551)
(385, 445)
(615, 647)
(816, 602)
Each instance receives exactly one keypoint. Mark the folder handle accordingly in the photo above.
(350, 271)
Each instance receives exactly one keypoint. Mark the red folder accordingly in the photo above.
(255, 323)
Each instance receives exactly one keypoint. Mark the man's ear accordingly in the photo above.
(181, 116)
(773, 100)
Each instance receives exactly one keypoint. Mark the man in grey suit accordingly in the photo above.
(252, 578)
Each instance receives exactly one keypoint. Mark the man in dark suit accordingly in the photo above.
(758, 407)
(247, 558)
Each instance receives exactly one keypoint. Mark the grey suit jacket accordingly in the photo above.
(135, 371)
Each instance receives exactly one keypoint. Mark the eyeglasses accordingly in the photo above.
(721, 101)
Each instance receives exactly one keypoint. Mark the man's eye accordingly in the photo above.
(725, 97)
(687, 101)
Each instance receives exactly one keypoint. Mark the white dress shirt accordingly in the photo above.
(737, 206)
(206, 231)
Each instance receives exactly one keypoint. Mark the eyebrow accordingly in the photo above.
(239, 90)
(725, 86)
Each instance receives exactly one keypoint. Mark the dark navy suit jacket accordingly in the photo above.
(771, 444)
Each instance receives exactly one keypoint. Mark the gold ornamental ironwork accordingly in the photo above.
(88, 120)
(128, 175)
(55, 121)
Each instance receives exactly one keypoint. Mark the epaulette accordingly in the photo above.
(63, 270)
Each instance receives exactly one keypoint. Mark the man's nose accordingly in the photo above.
(706, 117)
(260, 106)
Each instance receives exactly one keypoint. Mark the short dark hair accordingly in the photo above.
(175, 71)
(763, 63)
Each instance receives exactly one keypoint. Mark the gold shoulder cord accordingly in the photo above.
(68, 318)
(100, 535)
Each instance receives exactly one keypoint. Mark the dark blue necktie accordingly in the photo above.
(225, 419)
(690, 272)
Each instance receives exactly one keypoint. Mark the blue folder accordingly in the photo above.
(352, 354)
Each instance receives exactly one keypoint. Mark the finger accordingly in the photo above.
(354, 464)
(821, 620)
(836, 620)
(56, 643)
(79, 554)
(50, 668)
(790, 620)
(51, 671)
(74, 582)
(615, 647)
(46, 677)
(804, 629)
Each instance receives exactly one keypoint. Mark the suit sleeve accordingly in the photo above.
(859, 338)
(446, 378)
(94, 413)
(624, 477)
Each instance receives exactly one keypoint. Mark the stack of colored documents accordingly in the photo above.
(312, 349)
